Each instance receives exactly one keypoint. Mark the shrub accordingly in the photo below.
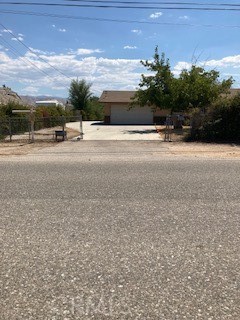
(221, 122)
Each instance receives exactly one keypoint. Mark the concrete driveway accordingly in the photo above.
(97, 130)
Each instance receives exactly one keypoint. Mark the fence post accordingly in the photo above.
(81, 126)
(63, 126)
(10, 129)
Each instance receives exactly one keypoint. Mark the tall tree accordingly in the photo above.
(194, 88)
(79, 94)
(198, 88)
(158, 88)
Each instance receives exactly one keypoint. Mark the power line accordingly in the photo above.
(158, 3)
(44, 60)
(19, 55)
(52, 15)
(119, 7)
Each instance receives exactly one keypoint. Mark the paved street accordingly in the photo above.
(118, 231)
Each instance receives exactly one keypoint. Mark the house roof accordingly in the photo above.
(117, 96)
(126, 96)
(234, 92)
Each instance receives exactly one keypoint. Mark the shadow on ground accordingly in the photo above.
(139, 131)
(118, 125)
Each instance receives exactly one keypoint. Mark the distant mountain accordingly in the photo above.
(30, 100)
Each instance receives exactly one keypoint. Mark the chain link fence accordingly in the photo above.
(40, 129)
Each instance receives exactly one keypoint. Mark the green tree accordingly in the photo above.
(79, 94)
(159, 88)
(94, 110)
(194, 88)
(198, 88)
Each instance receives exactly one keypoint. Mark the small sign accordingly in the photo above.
(23, 111)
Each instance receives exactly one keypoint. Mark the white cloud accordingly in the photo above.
(20, 35)
(230, 63)
(130, 47)
(104, 73)
(17, 38)
(227, 62)
(183, 17)
(136, 31)
(30, 90)
(59, 29)
(180, 66)
(7, 30)
(155, 15)
(84, 51)
(41, 51)
(4, 58)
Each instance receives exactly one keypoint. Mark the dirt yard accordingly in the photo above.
(174, 149)
(44, 138)
(197, 149)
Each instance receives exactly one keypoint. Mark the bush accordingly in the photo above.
(221, 122)
(93, 111)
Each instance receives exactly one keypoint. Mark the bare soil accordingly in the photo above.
(44, 138)
(174, 149)
(197, 149)
(22, 148)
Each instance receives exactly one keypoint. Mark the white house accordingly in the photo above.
(49, 103)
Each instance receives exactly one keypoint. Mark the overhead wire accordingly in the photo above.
(42, 14)
(158, 2)
(27, 61)
(18, 54)
(29, 49)
(117, 20)
(106, 6)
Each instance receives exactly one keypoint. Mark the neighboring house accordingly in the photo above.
(234, 92)
(116, 110)
(7, 95)
(49, 103)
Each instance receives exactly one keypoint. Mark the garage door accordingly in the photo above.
(138, 115)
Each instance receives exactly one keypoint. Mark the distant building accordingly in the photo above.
(49, 103)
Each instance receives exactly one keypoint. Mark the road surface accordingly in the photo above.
(118, 233)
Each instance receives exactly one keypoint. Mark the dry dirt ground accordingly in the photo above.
(185, 149)
(175, 148)
(44, 138)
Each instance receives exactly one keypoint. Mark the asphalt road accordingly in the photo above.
(120, 237)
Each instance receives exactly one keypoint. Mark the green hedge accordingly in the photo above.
(220, 123)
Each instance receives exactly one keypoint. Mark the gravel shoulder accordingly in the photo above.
(171, 149)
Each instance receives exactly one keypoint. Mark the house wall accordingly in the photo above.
(159, 116)
(107, 113)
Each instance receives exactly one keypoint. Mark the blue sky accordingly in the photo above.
(107, 53)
